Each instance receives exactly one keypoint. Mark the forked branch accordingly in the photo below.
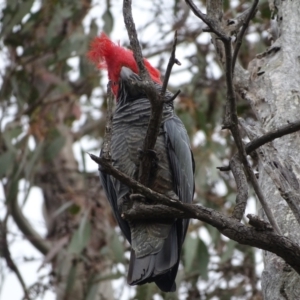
(231, 120)
(230, 227)
(156, 99)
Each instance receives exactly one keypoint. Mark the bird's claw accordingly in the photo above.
(140, 198)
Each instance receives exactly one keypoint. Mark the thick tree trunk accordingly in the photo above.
(272, 87)
(274, 93)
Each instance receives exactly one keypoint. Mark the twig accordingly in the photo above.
(279, 171)
(232, 124)
(266, 138)
(238, 140)
(151, 92)
(264, 238)
(258, 223)
(210, 22)
(135, 185)
(33, 237)
(231, 120)
(272, 135)
(86, 129)
(173, 97)
(171, 63)
(233, 229)
(240, 35)
(134, 42)
(154, 97)
(5, 252)
(11, 191)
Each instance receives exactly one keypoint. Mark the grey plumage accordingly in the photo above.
(156, 246)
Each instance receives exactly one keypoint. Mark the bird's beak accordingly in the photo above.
(126, 73)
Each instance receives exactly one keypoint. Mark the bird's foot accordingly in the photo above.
(140, 198)
(125, 203)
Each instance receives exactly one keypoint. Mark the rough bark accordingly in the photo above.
(273, 93)
(272, 88)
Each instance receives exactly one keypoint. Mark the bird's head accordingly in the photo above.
(108, 55)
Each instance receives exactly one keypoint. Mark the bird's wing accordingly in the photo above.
(111, 195)
(181, 162)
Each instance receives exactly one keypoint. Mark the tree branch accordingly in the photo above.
(267, 138)
(86, 129)
(135, 185)
(213, 24)
(282, 175)
(134, 42)
(5, 252)
(33, 237)
(242, 32)
(152, 94)
(231, 120)
(171, 63)
(230, 227)
(242, 187)
(258, 236)
(272, 135)
(148, 86)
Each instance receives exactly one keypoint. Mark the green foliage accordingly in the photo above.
(108, 21)
(71, 279)
(81, 236)
(146, 291)
(203, 259)
(227, 254)
(54, 147)
(6, 162)
(117, 248)
(196, 257)
(13, 14)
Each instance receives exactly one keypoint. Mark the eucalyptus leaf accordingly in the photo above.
(16, 16)
(6, 162)
(71, 279)
(8, 135)
(54, 147)
(202, 259)
(190, 251)
(92, 288)
(62, 208)
(81, 236)
(92, 293)
(60, 14)
(111, 276)
(227, 254)
(33, 159)
(117, 248)
(108, 21)
(145, 291)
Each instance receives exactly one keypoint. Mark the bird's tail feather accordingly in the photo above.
(160, 267)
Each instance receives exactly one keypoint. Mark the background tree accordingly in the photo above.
(53, 109)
